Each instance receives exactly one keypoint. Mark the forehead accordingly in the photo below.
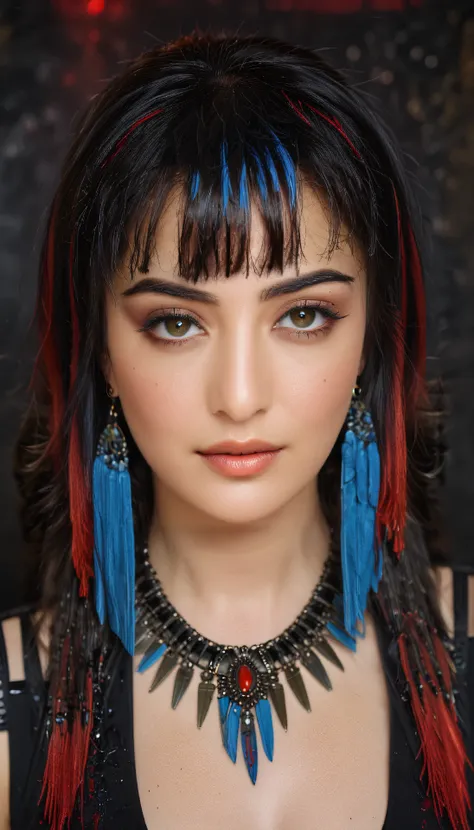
(317, 247)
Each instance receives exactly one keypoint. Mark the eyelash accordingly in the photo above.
(330, 314)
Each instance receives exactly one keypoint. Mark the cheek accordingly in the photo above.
(155, 404)
(320, 401)
(318, 411)
(157, 394)
(319, 390)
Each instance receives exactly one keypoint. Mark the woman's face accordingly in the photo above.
(243, 359)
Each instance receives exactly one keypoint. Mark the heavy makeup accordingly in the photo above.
(235, 390)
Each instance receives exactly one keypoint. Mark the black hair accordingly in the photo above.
(229, 125)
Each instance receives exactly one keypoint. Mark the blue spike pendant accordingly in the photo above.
(244, 688)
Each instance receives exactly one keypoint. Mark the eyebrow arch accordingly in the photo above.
(304, 281)
(151, 285)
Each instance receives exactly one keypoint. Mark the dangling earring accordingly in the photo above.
(360, 483)
(114, 543)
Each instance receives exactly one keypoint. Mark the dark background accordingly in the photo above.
(416, 58)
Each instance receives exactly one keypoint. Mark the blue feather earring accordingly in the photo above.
(361, 562)
(114, 543)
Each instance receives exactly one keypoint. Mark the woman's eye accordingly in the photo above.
(303, 318)
(172, 327)
(176, 327)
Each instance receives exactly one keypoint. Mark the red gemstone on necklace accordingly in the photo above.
(245, 678)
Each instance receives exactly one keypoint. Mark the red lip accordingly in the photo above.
(239, 448)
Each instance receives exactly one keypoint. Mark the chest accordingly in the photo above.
(330, 768)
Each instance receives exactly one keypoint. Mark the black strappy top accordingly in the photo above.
(21, 703)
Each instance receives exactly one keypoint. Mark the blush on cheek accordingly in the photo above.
(318, 401)
(321, 422)
(324, 393)
(158, 406)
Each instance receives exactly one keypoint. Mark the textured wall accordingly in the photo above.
(415, 57)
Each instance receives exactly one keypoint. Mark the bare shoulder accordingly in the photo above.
(11, 629)
(4, 782)
(444, 582)
(12, 637)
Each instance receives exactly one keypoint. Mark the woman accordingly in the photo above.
(225, 447)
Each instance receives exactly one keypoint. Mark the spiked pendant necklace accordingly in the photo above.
(247, 676)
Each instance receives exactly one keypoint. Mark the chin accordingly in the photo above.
(240, 505)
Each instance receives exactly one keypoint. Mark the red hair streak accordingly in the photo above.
(392, 506)
(299, 110)
(441, 743)
(80, 504)
(68, 749)
(123, 140)
(337, 126)
(80, 499)
(80, 511)
(330, 120)
(410, 264)
(391, 512)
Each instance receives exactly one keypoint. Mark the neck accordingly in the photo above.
(239, 584)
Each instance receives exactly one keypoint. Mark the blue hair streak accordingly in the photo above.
(260, 175)
(287, 165)
(272, 170)
(243, 190)
(226, 183)
(288, 168)
(195, 182)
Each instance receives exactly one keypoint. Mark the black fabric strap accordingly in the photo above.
(460, 604)
(464, 662)
(4, 681)
(461, 650)
(24, 700)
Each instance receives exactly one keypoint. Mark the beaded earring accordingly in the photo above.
(361, 563)
(114, 543)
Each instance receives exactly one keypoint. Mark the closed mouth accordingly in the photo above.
(249, 448)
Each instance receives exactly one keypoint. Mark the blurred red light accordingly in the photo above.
(95, 6)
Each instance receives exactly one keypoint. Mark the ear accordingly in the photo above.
(108, 372)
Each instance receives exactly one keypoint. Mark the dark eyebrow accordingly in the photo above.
(304, 281)
(150, 285)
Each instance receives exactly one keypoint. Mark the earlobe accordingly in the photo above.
(109, 377)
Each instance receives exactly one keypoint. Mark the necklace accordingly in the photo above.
(247, 676)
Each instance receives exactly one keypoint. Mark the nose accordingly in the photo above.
(240, 377)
